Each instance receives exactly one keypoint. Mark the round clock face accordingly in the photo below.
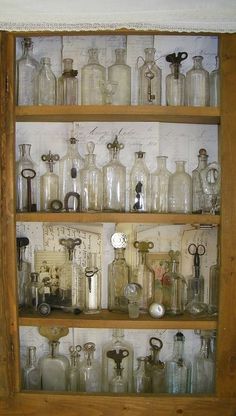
(119, 240)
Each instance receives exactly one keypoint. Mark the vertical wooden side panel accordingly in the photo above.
(226, 358)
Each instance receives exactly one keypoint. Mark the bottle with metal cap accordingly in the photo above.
(90, 370)
(139, 185)
(23, 270)
(174, 286)
(49, 182)
(91, 182)
(157, 367)
(73, 370)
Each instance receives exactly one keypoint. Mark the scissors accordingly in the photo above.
(196, 250)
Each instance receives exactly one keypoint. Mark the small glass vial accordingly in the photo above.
(142, 381)
(180, 190)
(174, 287)
(46, 85)
(204, 367)
(175, 86)
(120, 72)
(149, 79)
(93, 78)
(139, 185)
(144, 276)
(68, 84)
(26, 180)
(90, 370)
(92, 285)
(49, 182)
(198, 196)
(23, 270)
(159, 186)
(215, 85)
(31, 371)
(197, 84)
(91, 182)
(26, 69)
(54, 369)
(73, 370)
(156, 366)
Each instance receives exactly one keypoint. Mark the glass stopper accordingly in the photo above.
(119, 240)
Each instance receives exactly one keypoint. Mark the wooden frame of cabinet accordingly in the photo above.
(15, 402)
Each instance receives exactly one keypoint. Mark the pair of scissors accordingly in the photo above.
(196, 250)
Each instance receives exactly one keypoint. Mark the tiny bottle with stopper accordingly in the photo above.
(144, 275)
(133, 293)
(174, 286)
(93, 77)
(142, 381)
(26, 180)
(149, 79)
(175, 81)
(46, 85)
(204, 366)
(198, 195)
(31, 371)
(139, 185)
(120, 72)
(49, 182)
(26, 70)
(90, 370)
(197, 84)
(23, 270)
(92, 285)
(73, 370)
(68, 84)
(159, 186)
(118, 383)
(91, 182)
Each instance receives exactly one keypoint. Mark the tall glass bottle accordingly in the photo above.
(68, 84)
(178, 370)
(26, 70)
(142, 381)
(73, 370)
(26, 180)
(120, 72)
(198, 196)
(90, 370)
(54, 368)
(31, 371)
(214, 276)
(159, 186)
(91, 182)
(69, 175)
(157, 367)
(197, 84)
(49, 182)
(174, 287)
(144, 276)
(46, 85)
(204, 367)
(23, 270)
(180, 190)
(92, 285)
(93, 77)
(215, 85)
(139, 185)
(114, 180)
(149, 79)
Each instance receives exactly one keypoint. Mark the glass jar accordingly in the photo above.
(175, 86)
(31, 371)
(141, 379)
(204, 367)
(197, 84)
(139, 185)
(149, 79)
(174, 286)
(46, 85)
(92, 285)
(90, 370)
(91, 182)
(156, 366)
(49, 182)
(23, 270)
(215, 85)
(93, 77)
(26, 180)
(198, 196)
(54, 368)
(144, 276)
(68, 84)
(159, 186)
(26, 69)
(120, 72)
(180, 190)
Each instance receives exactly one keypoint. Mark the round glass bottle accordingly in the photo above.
(215, 85)
(174, 287)
(180, 190)
(204, 367)
(159, 186)
(93, 78)
(120, 72)
(175, 86)
(139, 185)
(46, 85)
(68, 84)
(198, 196)
(91, 182)
(197, 84)
(26, 69)
(149, 79)
(144, 276)
(90, 370)
(49, 182)
(26, 180)
(54, 369)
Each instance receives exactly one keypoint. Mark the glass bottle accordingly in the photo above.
(45, 83)
(91, 182)
(68, 84)
(214, 276)
(215, 85)
(139, 184)
(26, 69)
(49, 182)
(54, 369)
(90, 370)
(93, 77)
(120, 72)
(34, 292)
(118, 275)
(142, 381)
(26, 180)
(133, 293)
(204, 367)
(159, 186)
(114, 180)
(71, 277)
(73, 370)
(144, 276)
(118, 383)
(118, 343)
(157, 367)
(31, 371)
(174, 286)
(69, 174)
(180, 190)
(211, 185)
(175, 86)
(149, 79)
(23, 270)
(92, 285)
(198, 197)
(178, 370)
(197, 84)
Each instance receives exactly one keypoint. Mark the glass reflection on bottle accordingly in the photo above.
(31, 371)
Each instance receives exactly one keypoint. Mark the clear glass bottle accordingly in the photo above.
(149, 79)
(156, 366)
(46, 84)
(49, 182)
(26, 180)
(118, 343)
(175, 86)
(144, 276)
(31, 371)
(93, 77)
(159, 186)
(91, 182)
(119, 382)
(142, 381)
(71, 277)
(34, 292)
(118, 275)
(73, 370)
(178, 369)
(214, 276)
(180, 190)
(174, 287)
(69, 174)
(23, 270)
(139, 185)
(90, 370)
(198, 196)
(120, 72)
(54, 369)
(26, 69)
(68, 84)
(197, 84)
(92, 285)
(215, 85)
(114, 180)
(211, 186)
(204, 367)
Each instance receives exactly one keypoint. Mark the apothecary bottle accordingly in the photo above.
(93, 77)
(175, 86)
(156, 366)
(204, 367)
(26, 168)
(46, 85)
(142, 381)
(120, 72)
(139, 185)
(73, 379)
(174, 286)
(34, 292)
(49, 182)
(92, 285)
(31, 371)
(149, 79)
(211, 186)
(54, 368)
(68, 84)
(91, 182)
(215, 85)
(197, 84)
(23, 270)
(90, 370)
(159, 186)
(214, 276)
(119, 382)
(114, 180)
(180, 190)
(198, 195)
(144, 275)
(26, 69)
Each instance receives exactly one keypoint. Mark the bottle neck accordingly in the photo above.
(24, 150)
(161, 162)
(149, 55)
(180, 166)
(117, 334)
(178, 350)
(114, 154)
(54, 348)
(197, 62)
(32, 357)
(93, 56)
(202, 162)
(90, 160)
(120, 57)
(119, 253)
(174, 266)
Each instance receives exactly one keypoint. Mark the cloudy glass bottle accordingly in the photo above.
(120, 72)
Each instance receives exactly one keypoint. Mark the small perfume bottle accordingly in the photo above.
(54, 369)
(90, 370)
(73, 371)
(31, 371)
(49, 182)
(23, 270)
